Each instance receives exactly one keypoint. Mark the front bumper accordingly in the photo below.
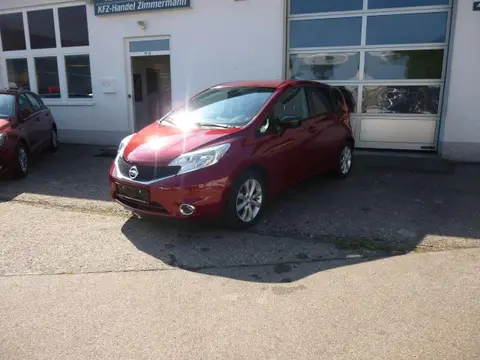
(205, 189)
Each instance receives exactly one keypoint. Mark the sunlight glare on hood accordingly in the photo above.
(185, 120)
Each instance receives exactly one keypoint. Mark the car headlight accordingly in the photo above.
(123, 144)
(200, 159)
(3, 139)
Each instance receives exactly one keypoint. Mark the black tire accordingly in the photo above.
(344, 166)
(232, 216)
(20, 170)
(53, 145)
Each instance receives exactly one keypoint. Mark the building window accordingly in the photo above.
(418, 28)
(57, 48)
(389, 4)
(73, 26)
(325, 66)
(13, 33)
(47, 77)
(79, 80)
(41, 29)
(316, 6)
(325, 32)
(17, 73)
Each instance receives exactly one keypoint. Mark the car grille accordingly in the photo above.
(147, 173)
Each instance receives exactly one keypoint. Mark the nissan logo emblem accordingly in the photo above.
(133, 172)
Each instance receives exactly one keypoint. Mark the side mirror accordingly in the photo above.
(290, 121)
(23, 114)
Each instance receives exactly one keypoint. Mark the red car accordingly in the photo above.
(233, 146)
(26, 127)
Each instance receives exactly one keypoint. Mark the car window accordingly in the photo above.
(36, 105)
(337, 98)
(292, 103)
(7, 105)
(320, 103)
(40, 101)
(24, 104)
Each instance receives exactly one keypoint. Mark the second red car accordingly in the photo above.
(233, 146)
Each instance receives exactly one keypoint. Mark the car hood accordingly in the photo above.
(160, 144)
(4, 124)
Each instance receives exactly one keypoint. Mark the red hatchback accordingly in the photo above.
(233, 146)
(26, 127)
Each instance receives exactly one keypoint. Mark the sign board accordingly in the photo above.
(108, 7)
(476, 6)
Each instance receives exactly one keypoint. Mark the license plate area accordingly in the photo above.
(133, 193)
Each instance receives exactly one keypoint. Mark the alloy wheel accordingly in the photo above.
(346, 160)
(23, 159)
(249, 200)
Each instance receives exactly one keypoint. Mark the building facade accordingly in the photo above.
(107, 68)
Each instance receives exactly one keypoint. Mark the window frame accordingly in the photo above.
(58, 52)
(362, 81)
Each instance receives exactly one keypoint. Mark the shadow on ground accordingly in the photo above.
(390, 205)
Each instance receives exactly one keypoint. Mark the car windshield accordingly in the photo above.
(222, 107)
(7, 105)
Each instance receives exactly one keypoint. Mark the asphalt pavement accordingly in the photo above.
(383, 265)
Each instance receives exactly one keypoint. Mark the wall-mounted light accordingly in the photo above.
(142, 24)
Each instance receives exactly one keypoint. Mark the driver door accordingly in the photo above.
(282, 150)
(28, 122)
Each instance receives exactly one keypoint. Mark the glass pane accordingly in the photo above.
(47, 77)
(404, 65)
(17, 72)
(73, 26)
(388, 4)
(401, 99)
(41, 29)
(407, 28)
(315, 6)
(13, 34)
(7, 106)
(292, 103)
(324, 66)
(79, 80)
(326, 32)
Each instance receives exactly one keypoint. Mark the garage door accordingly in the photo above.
(391, 54)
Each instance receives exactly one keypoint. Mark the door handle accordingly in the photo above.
(38, 119)
(312, 129)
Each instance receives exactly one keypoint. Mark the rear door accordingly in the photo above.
(320, 145)
(43, 119)
(30, 123)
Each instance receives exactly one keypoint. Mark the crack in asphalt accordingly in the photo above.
(178, 267)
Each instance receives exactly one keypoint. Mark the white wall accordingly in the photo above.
(213, 42)
(460, 138)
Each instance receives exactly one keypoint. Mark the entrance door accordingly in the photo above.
(149, 79)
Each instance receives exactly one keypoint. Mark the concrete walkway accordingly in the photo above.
(419, 306)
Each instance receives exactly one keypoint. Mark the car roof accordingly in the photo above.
(269, 83)
(11, 91)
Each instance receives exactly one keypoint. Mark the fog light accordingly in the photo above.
(187, 209)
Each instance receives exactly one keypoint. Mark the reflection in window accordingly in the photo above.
(17, 72)
(12, 32)
(41, 29)
(401, 99)
(388, 4)
(404, 64)
(73, 26)
(47, 77)
(407, 28)
(79, 79)
(316, 6)
(292, 103)
(326, 32)
(325, 66)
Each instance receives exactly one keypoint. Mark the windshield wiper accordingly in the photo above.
(222, 126)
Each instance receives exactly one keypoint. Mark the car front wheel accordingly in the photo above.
(246, 201)
(345, 161)
(21, 161)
